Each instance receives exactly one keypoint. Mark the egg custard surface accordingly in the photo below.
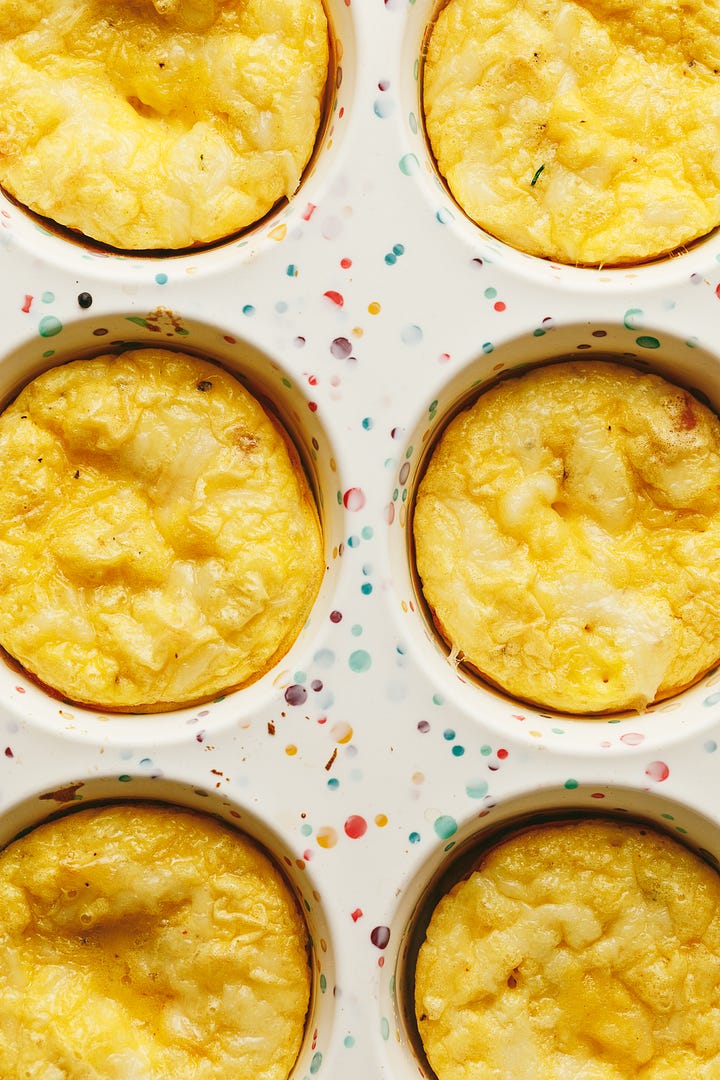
(159, 124)
(581, 132)
(148, 941)
(567, 537)
(159, 541)
(579, 949)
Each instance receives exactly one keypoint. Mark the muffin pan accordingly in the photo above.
(365, 311)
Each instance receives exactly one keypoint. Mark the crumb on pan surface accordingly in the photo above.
(148, 942)
(159, 124)
(567, 537)
(582, 132)
(587, 949)
(159, 541)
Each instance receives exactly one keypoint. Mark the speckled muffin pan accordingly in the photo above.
(366, 310)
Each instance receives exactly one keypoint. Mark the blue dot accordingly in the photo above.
(161, 279)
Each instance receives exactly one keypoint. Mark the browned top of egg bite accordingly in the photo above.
(587, 949)
(159, 123)
(149, 942)
(160, 542)
(582, 132)
(567, 537)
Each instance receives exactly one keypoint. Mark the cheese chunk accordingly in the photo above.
(567, 537)
(581, 949)
(587, 133)
(151, 943)
(159, 541)
(159, 125)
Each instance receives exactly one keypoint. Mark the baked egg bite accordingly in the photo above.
(586, 948)
(152, 942)
(567, 537)
(159, 539)
(585, 133)
(159, 124)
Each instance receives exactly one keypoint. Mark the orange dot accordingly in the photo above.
(326, 836)
(374, 308)
(381, 820)
(291, 750)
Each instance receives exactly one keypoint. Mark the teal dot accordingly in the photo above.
(368, 423)
(49, 326)
(366, 589)
(315, 1063)
(710, 746)
(444, 215)
(539, 332)
(161, 279)
(488, 347)
(571, 784)
(398, 249)
(647, 342)
(367, 569)
(300, 676)
(445, 826)
(353, 541)
(438, 699)
(356, 630)
(306, 830)
(712, 699)
(367, 532)
(124, 779)
(360, 660)
(48, 297)
(458, 751)
(333, 783)
(390, 259)
(248, 309)
(292, 270)
(490, 293)
(385, 1028)
(409, 164)
(486, 750)
(412, 121)
(477, 789)
(449, 734)
(414, 837)
(349, 1042)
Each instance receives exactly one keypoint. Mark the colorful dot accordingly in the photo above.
(476, 789)
(49, 326)
(414, 837)
(360, 661)
(326, 837)
(296, 694)
(380, 936)
(658, 771)
(355, 826)
(354, 499)
(445, 826)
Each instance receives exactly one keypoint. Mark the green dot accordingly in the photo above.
(486, 750)
(48, 297)
(306, 830)
(49, 326)
(360, 660)
(315, 1063)
(445, 826)
(571, 784)
(349, 1042)
(490, 293)
(477, 789)
(385, 1028)
(124, 779)
(367, 532)
(409, 164)
(323, 984)
(647, 342)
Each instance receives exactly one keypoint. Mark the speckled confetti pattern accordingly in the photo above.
(365, 310)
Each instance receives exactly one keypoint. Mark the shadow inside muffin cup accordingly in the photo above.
(280, 397)
(72, 796)
(455, 862)
(680, 363)
(44, 236)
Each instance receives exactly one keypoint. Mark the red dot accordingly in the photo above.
(354, 499)
(502, 754)
(312, 406)
(499, 305)
(717, 291)
(336, 297)
(346, 263)
(355, 826)
(657, 770)
(356, 914)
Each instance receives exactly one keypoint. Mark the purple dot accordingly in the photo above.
(380, 936)
(296, 694)
(341, 348)
(336, 616)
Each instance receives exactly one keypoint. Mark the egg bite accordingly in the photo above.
(159, 124)
(582, 133)
(148, 941)
(159, 539)
(586, 948)
(567, 537)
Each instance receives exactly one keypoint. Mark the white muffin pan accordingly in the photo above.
(365, 310)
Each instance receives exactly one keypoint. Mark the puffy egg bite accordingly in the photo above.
(586, 949)
(152, 942)
(586, 133)
(567, 537)
(159, 124)
(159, 540)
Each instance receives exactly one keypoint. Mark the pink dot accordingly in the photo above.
(355, 826)
(632, 738)
(354, 499)
(657, 770)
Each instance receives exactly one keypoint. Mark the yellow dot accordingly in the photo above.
(418, 777)
(342, 732)
(374, 308)
(291, 750)
(326, 836)
(357, 331)
(278, 233)
(381, 820)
